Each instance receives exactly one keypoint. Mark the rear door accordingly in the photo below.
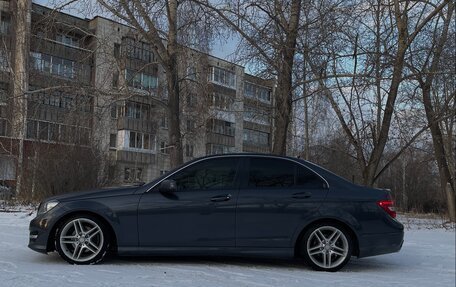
(276, 196)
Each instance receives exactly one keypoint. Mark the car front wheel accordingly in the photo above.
(327, 247)
(82, 240)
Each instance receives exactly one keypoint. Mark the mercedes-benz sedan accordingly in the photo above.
(229, 205)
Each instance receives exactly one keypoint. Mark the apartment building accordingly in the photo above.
(97, 83)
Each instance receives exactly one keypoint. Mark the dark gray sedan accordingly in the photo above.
(230, 205)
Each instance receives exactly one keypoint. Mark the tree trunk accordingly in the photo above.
(283, 110)
(22, 20)
(450, 202)
(284, 81)
(439, 151)
(446, 178)
(172, 77)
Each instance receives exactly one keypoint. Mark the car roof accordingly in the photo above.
(249, 154)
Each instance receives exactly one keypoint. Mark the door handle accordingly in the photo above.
(301, 195)
(219, 198)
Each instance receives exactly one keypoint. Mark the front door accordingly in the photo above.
(201, 213)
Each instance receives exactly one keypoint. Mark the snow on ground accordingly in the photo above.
(426, 259)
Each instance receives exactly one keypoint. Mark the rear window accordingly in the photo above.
(305, 178)
(272, 172)
(269, 172)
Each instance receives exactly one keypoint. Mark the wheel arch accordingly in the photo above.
(346, 226)
(51, 239)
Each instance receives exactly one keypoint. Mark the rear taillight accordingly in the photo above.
(388, 207)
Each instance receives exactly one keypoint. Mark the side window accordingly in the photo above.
(271, 172)
(307, 179)
(209, 174)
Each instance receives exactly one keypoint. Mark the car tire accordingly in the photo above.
(82, 239)
(326, 247)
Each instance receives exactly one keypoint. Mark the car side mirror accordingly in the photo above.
(167, 186)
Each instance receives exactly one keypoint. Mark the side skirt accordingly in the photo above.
(208, 251)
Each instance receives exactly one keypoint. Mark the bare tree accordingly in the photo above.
(269, 30)
(159, 23)
(365, 43)
(427, 68)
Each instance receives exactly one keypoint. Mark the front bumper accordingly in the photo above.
(39, 231)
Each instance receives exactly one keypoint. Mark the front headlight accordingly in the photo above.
(46, 206)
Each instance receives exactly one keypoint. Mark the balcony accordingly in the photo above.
(213, 138)
(136, 157)
(141, 125)
(54, 48)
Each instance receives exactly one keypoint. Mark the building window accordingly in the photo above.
(7, 168)
(136, 140)
(140, 80)
(32, 129)
(164, 122)
(127, 174)
(114, 111)
(117, 50)
(189, 150)
(113, 140)
(147, 143)
(257, 92)
(54, 132)
(67, 40)
(4, 60)
(264, 94)
(164, 148)
(252, 137)
(115, 79)
(5, 24)
(222, 101)
(43, 132)
(191, 100)
(59, 67)
(135, 110)
(2, 127)
(141, 141)
(138, 174)
(191, 73)
(222, 77)
(222, 127)
(255, 115)
(63, 100)
(138, 50)
(163, 171)
(218, 149)
(249, 90)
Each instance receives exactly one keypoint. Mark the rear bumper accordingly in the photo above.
(381, 243)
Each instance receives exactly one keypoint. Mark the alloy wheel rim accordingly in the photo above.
(81, 239)
(327, 247)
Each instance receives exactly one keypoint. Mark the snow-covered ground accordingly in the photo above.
(426, 259)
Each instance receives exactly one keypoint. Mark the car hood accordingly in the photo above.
(105, 192)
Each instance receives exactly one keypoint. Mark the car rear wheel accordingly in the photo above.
(326, 247)
(82, 239)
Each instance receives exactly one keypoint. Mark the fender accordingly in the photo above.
(328, 212)
(121, 215)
